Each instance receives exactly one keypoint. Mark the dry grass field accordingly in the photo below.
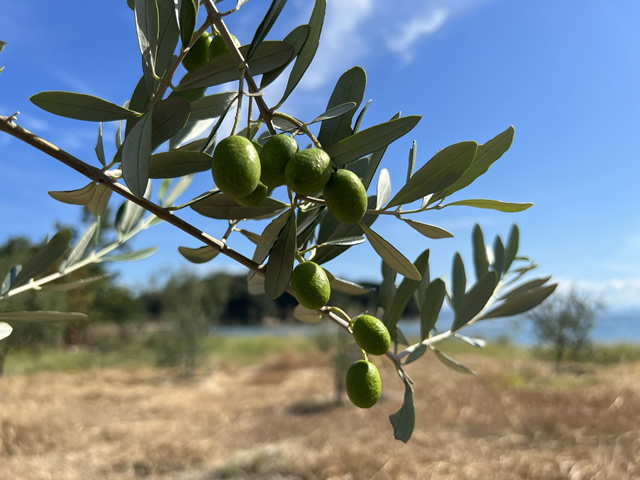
(517, 419)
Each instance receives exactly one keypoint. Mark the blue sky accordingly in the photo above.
(565, 74)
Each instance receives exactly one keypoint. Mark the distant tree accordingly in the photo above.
(564, 322)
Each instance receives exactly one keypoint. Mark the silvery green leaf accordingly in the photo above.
(416, 354)
(187, 19)
(520, 302)
(296, 38)
(212, 106)
(81, 196)
(168, 118)
(131, 256)
(77, 252)
(413, 151)
(100, 147)
(430, 231)
(99, 200)
(431, 306)
(44, 258)
(269, 236)
(475, 300)
(199, 255)
(498, 254)
(265, 26)
(178, 163)
(383, 189)
(179, 188)
(530, 285)
(252, 237)
(474, 342)
(508, 207)
(511, 249)
(345, 286)
(391, 255)
(458, 281)
(224, 207)
(64, 287)
(334, 112)
(308, 51)
(127, 217)
(344, 242)
(480, 258)
(147, 27)
(285, 125)
(356, 126)
(80, 106)
(452, 363)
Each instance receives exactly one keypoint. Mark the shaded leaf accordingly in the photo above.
(199, 255)
(99, 149)
(179, 188)
(168, 35)
(511, 250)
(356, 126)
(487, 153)
(475, 300)
(211, 106)
(44, 258)
(458, 281)
(269, 56)
(416, 354)
(413, 151)
(178, 163)
(374, 162)
(390, 255)
(344, 242)
(530, 285)
(280, 263)
(306, 315)
(127, 217)
(5, 328)
(404, 420)
(345, 286)
(265, 26)
(64, 287)
(383, 189)
(81, 107)
(168, 118)
(444, 168)
(508, 207)
(296, 38)
(370, 140)
(452, 363)
(431, 306)
(187, 16)
(308, 51)
(404, 293)
(349, 88)
(222, 206)
(498, 255)
(81, 196)
(430, 231)
(334, 112)
(136, 152)
(131, 256)
(269, 237)
(9, 278)
(42, 316)
(480, 259)
(520, 302)
(253, 237)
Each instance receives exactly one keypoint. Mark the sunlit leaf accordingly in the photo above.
(81, 107)
(404, 420)
(370, 140)
(452, 363)
(474, 342)
(224, 207)
(390, 255)
(475, 300)
(430, 231)
(444, 168)
(5, 330)
(168, 118)
(349, 88)
(480, 259)
(431, 306)
(508, 207)
(383, 189)
(280, 263)
(178, 163)
(147, 27)
(81, 196)
(77, 252)
(270, 55)
(308, 51)
(344, 242)
(404, 293)
(199, 255)
(265, 26)
(179, 188)
(306, 315)
(44, 258)
(520, 302)
(211, 106)
(131, 256)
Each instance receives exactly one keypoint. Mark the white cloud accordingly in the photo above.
(616, 293)
(404, 38)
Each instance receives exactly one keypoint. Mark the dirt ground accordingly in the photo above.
(514, 420)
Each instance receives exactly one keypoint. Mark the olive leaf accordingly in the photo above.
(42, 316)
(265, 26)
(5, 328)
(136, 152)
(404, 420)
(44, 258)
(390, 255)
(430, 231)
(431, 306)
(508, 207)
(281, 258)
(211, 106)
(80, 106)
(199, 255)
(222, 206)
(474, 300)
(296, 38)
(178, 163)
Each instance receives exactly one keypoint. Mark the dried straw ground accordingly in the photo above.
(516, 419)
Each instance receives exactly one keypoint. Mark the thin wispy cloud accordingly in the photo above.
(403, 41)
